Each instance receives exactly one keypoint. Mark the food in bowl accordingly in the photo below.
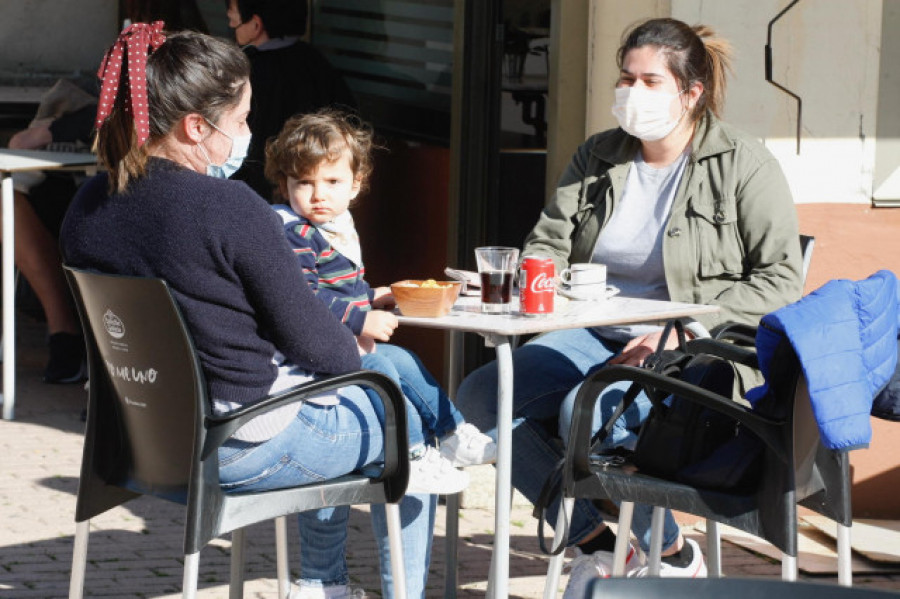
(425, 298)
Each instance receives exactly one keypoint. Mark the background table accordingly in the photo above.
(18, 105)
(18, 161)
(500, 331)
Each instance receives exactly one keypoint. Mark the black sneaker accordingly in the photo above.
(67, 361)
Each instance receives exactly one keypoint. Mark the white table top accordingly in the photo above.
(12, 161)
(570, 314)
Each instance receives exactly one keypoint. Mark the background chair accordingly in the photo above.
(715, 588)
(150, 431)
(794, 465)
(807, 243)
(746, 334)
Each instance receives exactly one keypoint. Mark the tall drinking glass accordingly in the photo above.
(497, 267)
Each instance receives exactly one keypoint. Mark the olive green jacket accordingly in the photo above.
(731, 238)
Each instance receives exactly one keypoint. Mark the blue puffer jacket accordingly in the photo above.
(845, 335)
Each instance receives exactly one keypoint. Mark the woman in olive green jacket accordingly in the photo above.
(731, 236)
(679, 206)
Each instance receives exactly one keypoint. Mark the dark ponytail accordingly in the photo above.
(190, 73)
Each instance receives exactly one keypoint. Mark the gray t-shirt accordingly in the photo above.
(631, 243)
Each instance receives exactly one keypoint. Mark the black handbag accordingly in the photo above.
(685, 441)
(680, 440)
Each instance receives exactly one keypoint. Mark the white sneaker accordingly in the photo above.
(584, 568)
(468, 446)
(340, 591)
(696, 569)
(435, 475)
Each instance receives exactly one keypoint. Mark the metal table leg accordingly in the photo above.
(9, 292)
(499, 582)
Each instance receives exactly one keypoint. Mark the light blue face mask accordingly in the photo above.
(239, 146)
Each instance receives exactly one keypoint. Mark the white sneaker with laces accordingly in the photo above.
(585, 567)
(340, 591)
(468, 446)
(696, 569)
(435, 475)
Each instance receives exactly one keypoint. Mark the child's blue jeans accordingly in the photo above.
(430, 413)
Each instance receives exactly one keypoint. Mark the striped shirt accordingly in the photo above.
(334, 278)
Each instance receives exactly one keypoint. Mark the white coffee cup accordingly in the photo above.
(584, 274)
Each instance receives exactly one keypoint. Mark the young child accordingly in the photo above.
(320, 162)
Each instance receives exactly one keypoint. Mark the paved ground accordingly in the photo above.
(135, 549)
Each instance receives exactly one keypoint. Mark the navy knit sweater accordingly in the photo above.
(223, 252)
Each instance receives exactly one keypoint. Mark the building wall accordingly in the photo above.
(829, 53)
(54, 36)
(887, 142)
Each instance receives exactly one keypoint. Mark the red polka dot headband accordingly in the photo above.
(131, 49)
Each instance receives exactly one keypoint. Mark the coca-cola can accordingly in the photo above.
(537, 286)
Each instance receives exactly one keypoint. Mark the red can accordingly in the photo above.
(537, 286)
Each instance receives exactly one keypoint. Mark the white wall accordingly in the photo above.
(55, 36)
(887, 144)
(827, 52)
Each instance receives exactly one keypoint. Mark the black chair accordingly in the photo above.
(745, 334)
(150, 431)
(733, 588)
(795, 467)
(742, 334)
(807, 243)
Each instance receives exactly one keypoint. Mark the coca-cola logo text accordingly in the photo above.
(542, 284)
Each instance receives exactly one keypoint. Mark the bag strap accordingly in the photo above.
(630, 395)
(552, 488)
(662, 361)
(656, 361)
(667, 362)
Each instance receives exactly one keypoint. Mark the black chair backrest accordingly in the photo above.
(790, 399)
(145, 383)
(150, 430)
(733, 588)
(807, 242)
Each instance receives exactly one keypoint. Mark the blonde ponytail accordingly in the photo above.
(718, 58)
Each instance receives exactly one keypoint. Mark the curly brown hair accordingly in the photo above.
(308, 140)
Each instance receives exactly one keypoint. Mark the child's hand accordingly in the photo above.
(379, 325)
(366, 345)
(383, 298)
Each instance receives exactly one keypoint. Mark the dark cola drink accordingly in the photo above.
(496, 291)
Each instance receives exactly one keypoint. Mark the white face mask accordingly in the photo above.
(239, 146)
(645, 113)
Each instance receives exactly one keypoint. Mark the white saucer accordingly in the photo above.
(587, 292)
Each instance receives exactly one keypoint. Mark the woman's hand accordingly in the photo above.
(637, 350)
(379, 325)
(31, 138)
(383, 298)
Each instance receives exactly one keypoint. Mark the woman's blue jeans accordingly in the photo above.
(325, 442)
(430, 413)
(548, 371)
